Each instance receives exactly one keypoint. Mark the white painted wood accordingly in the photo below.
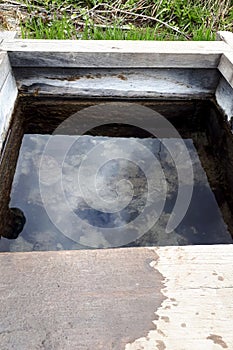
(8, 95)
(141, 83)
(4, 67)
(124, 46)
(226, 36)
(224, 97)
(8, 35)
(226, 67)
(198, 310)
(68, 53)
(175, 298)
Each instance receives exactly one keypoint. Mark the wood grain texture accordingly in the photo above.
(223, 95)
(4, 67)
(226, 67)
(175, 298)
(8, 95)
(142, 83)
(198, 309)
(68, 53)
(94, 46)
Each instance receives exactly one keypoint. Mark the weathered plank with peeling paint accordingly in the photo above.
(4, 68)
(140, 83)
(223, 95)
(8, 95)
(198, 309)
(175, 298)
(68, 53)
(226, 67)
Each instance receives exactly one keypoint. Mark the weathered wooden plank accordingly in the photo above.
(94, 46)
(8, 95)
(226, 36)
(198, 310)
(114, 60)
(176, 298)
(8, 35)
(150, 83)
(226, 67)
(4, 67)
(223, 95)
(68, 53)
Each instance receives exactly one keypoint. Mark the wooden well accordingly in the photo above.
(133, 298)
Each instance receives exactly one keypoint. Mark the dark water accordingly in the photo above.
(89, 192)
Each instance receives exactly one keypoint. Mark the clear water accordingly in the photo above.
(88, 192)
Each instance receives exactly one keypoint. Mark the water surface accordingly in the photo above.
(38, 180)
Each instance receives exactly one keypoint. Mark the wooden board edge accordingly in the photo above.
(111, 46)
(4, 67)
(226, 67)
(8, 35)
(225, 36)
(224, 97)
(115, 54)
(8, 96)
(114, 59)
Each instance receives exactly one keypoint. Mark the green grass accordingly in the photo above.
(117, 33)
(55, 28)
(127, 20)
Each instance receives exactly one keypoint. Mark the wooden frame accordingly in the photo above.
(123, 54)
(169, 70)
(176, 298)
(8, 95)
